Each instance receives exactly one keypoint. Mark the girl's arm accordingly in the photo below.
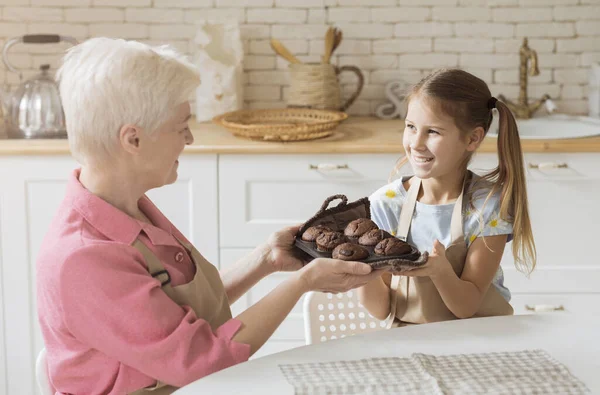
(464, 295)
(375, 296)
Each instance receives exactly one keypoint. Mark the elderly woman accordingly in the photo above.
(119, 314)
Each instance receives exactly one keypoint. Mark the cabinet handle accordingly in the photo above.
(548, 165)
(542, 308)
(327, 167)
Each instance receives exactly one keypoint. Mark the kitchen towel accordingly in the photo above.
(522, 372)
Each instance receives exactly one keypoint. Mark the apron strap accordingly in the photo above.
(393, 300)
(456, 223)
(158, 271)
(189, 247)
(408, 209)
(406, 214)
(155, 268)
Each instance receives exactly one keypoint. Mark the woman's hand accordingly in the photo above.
(281, 247)
(333, 275)
(437, 264)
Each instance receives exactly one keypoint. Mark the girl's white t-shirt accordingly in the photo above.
(432, 222)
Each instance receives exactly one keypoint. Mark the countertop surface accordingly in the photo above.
(568, 338)
(357, 135)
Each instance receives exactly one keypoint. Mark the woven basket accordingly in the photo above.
(286, 124)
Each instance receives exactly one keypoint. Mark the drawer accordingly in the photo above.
(556, 303)
(563, 166)
(547, 166)
(259, 194)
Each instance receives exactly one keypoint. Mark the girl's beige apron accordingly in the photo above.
(416, 300)
(205, 294)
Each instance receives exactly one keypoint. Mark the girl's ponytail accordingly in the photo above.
(509, 178)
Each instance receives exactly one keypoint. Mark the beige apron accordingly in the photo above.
(205, 294)
(416, 300)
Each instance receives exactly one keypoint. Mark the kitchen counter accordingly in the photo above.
(357, 135)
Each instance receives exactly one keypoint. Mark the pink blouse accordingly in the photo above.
(107, 325)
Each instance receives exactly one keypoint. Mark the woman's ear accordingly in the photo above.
(129, 138)
(475, 138)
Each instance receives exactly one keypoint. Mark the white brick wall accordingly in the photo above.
(387, 39)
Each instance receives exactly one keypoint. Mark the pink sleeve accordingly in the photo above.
(112, 304)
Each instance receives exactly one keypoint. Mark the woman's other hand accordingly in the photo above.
(281, 250)
(333, 275)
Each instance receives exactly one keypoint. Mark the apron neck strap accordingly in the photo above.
(408, 209)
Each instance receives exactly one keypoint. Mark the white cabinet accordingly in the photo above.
(563, 192)
(31, 189)
(228, 204)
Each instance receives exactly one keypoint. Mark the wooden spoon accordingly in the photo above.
(337, 41)
(282, 51)
(329, 41)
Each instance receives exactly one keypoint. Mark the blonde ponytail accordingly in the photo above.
(509, 179)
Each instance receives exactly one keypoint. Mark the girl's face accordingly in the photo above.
(433, 143)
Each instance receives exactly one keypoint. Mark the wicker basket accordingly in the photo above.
(286, 124)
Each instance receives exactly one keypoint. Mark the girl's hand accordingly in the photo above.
(437, 264)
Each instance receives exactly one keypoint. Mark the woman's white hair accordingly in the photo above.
(107, 83)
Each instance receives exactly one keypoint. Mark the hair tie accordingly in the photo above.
(491, 103)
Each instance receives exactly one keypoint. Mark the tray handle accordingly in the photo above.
(330, 199)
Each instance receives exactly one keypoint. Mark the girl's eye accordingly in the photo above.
(410, 126)
(433, 131)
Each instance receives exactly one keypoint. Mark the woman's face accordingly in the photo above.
(161, 151)
(433, 143)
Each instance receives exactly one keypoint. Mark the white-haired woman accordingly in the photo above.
(125, 302)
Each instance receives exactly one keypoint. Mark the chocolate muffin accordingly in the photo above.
(329, 240)
(313, 232)
(359, 227)
(349, 252)
(373, 237)
(392, 246)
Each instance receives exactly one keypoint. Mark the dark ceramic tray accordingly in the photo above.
(337, 218)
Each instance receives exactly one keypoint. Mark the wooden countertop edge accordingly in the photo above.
(541, 147)
(357, 135)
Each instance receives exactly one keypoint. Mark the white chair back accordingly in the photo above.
(41, 374)
(328, 316)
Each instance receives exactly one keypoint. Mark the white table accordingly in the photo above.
(571, 339)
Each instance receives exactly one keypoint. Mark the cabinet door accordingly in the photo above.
(563, 204)
(563, 190)
(259, 194)
(29, 196)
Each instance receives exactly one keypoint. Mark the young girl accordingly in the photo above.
(463, 220)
